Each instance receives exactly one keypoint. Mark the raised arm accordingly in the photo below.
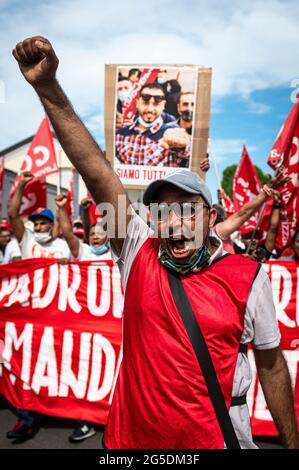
(236, 220)
(273, 229)
(85, 205)
(276, 384)
(38, 63)
(65, 225)
(15, 205)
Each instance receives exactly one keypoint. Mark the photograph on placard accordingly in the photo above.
(154, 116)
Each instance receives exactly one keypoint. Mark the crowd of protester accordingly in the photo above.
(50, 238)
(44, 236)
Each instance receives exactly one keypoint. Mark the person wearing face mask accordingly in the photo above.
(40, 243)
(37, 244)
(98, 246)
(172, 90)
(149, 140)
(124, 88)
(186, 105)
(97, 249)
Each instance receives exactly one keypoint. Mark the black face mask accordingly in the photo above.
(187, 115)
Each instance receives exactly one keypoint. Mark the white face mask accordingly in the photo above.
(123, 95)
(43, 237)
(148, 125)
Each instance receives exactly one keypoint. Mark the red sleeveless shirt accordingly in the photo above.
(161, 399)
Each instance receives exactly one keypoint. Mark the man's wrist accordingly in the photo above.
(45, 87)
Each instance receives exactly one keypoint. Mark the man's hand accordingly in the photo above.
(61, 200)
(205, 164)
(86, 203)
(175, 138)
(37, 60)
(25, 178)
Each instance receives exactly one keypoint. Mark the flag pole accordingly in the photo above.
(256, 228)
(216, 171)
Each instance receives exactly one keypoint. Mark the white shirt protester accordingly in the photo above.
(12, 250)
(30, 248)
(86, 253)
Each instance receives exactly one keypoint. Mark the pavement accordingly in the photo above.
(54, 432)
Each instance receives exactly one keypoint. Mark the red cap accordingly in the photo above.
(78, 231)
(6, 226)
(248, 228)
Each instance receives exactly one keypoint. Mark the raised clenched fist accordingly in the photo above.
(37, 60)
(86, 203)
(61, 200)
(26, 177)
(175, 138)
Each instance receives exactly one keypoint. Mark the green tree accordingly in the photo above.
(228, 177)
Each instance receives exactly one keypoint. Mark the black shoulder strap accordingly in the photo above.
(204, 359)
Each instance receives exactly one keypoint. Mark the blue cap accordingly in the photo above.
(42, 212)
(186, 180)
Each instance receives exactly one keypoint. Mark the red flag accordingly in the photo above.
(70, 198)
(41, 161)
(35, 196)
(41, 158)
(94, 214)
(228, 206)
(1, 181)
(284, 158)
(129, 107)
(246, 185)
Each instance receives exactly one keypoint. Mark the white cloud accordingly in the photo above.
(228, 150)
(251, 45)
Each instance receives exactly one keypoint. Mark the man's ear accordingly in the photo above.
(212, 217)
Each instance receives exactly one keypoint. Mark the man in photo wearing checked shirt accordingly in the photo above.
(149, 140)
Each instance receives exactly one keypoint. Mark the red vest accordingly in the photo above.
(161, 400)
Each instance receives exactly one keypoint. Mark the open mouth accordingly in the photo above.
(180, 248)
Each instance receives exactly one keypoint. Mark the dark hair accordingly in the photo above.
(184, 93)
(221, 214)
(133, 71)
(152, 86)
(122, 79)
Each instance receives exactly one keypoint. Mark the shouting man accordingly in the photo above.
(161, 398)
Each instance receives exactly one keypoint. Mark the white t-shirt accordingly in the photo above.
(30, 248)
(260, 324)
(12, 250)
(85, 254)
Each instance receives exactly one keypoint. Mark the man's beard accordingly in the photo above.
(187, 115)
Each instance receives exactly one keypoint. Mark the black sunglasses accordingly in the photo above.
(157, 98)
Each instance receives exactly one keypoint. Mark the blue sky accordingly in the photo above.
(252, 47)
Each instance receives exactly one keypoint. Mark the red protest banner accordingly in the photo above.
(284, 158)
(61, 327)
(246, 185)
(284, 277)
(41, 161)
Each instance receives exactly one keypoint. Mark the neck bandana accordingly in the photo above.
(199, 260)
